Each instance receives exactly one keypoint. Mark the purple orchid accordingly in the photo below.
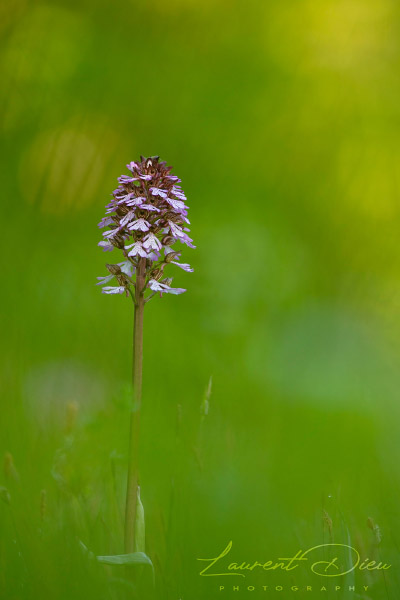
(106, 246)
(147, 214)
(140, 225)
(163, 288)
(183, 266)
(136, 249)
(105, 221)
(113, 290)
(146, 217)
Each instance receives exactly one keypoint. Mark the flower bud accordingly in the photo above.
(122, 210)
(122, 279)
(175, 218)
(156, 273)
(113, 269)
(171, 256)
(117, 241)
(167, 240)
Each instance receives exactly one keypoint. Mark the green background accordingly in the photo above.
(283, 121)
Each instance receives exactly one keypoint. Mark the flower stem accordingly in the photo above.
(133, 466)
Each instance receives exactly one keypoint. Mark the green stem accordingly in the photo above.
(133, 463)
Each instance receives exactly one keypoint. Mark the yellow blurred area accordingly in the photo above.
(368, 174)
(209, 6)
(45, 45)
(344, 35)
(64, 165)
(10, 11)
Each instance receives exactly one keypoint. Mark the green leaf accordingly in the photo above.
(139, 542)
(85, 550)
(5, 495)
(135, 558)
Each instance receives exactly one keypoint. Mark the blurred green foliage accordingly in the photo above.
(283, 120)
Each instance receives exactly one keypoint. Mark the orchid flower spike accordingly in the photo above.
(147, 215)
